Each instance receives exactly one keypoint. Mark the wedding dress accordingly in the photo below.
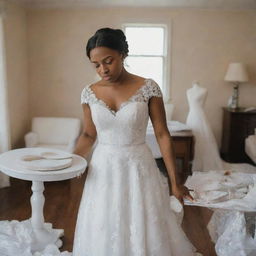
(125, 207)
(206, 152)
(206, 156)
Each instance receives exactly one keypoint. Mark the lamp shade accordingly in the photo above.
(236, 73)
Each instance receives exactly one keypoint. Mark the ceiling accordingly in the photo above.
(209, 4)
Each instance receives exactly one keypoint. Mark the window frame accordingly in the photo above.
(5, 136)
(165, 56)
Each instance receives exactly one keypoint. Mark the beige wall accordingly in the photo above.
(203, 42)
(15, 26)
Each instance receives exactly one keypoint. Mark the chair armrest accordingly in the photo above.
(73, 139)
(72, 143)
(31, 139)
(71, 146)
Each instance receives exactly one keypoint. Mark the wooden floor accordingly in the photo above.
(61, 206)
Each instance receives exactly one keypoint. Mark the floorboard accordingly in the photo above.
(61, 207)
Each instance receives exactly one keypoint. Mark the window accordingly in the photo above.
(147, 52)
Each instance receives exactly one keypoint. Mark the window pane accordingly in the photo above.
(145, 40)
(148, 67)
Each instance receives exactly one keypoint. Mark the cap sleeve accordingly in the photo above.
(85, 95)
(154, 89)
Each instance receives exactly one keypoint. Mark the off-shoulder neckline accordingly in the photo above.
(146, 83)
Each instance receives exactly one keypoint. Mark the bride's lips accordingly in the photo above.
(106, 77)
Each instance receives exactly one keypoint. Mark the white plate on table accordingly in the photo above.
(39, 163)
(55, 155)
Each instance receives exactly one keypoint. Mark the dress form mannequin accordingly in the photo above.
(206, 150)
(206, 155)
(196, 95)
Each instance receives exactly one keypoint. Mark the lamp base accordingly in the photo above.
(233, 100)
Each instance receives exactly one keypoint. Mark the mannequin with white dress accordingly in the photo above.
(206, 155)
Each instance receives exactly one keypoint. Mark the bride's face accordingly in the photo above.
(107, 62)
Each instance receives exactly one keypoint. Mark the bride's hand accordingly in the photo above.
(181, 192)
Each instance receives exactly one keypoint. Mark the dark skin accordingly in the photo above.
(115, 87)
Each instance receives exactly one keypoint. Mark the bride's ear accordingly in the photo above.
(122, 58)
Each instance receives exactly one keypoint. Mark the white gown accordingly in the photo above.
(125, 207)
(206, 156)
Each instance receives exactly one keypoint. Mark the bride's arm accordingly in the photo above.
(158, 119)
(88, 136)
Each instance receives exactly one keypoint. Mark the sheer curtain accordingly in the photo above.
(4, 119)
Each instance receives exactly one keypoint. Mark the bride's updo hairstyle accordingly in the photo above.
(107, 37)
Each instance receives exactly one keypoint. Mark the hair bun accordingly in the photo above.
(120, 33)
(108, 37)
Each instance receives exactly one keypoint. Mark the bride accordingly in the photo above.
(125, 207)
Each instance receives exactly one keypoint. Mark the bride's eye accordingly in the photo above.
(108, 61)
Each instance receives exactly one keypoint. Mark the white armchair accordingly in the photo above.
(250, 146)
(54, 132)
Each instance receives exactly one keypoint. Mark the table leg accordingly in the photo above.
(44, 234)
(37, 205)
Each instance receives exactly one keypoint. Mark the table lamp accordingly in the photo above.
(236, 74)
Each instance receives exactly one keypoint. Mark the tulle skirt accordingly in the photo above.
(125, 207)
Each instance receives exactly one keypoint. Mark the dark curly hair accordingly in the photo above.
(108, 37)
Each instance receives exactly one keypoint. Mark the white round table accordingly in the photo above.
(10, 164)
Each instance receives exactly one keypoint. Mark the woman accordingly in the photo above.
(125, 209)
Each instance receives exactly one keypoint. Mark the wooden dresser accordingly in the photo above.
(183, 143)
(237, 125)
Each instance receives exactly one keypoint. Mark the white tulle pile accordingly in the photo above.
(232, 225)
(233, 233)
(16, 238)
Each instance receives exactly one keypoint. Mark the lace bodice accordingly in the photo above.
(127, 125)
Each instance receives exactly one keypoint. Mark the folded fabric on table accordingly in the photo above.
(223, 189)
